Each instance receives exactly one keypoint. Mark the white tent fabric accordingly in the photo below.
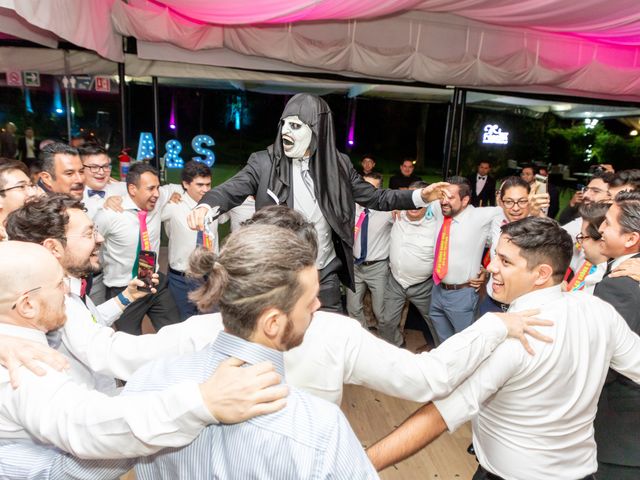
(590, 47)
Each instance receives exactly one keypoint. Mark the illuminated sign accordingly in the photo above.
(173, 148)
(493, 134)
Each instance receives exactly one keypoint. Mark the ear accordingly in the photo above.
(54, 246)
(184, 186)
(465, 201)
(545, 272)
(26, 308)
(271, 323)
(633, 239)
(46, 179)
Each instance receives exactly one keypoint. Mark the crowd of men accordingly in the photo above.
(244, 375)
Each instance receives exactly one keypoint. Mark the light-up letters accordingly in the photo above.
(209, 157)
(493, 134)
(146, 147)
(172, 158)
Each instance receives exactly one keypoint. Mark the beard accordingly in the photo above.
(289, 338)
(80, 268)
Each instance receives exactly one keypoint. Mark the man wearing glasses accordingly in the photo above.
(59, 223)
(97, 176)
(15, 188)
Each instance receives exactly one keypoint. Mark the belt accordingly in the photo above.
(493, 476)
(371, 262)
(177, 272)
(452, 286)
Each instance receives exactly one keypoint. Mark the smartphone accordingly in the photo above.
(542, 184)
(146, 268)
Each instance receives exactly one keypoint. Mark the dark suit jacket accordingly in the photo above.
(617, 423)
(22, 148)
(253, 180)
(487, 194)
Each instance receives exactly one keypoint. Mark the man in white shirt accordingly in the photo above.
(196, 181)
(237, 215)
(59, 223)
(62, 170)
(125, 234)
(618, 420)
(411, 264)
(15, 189)
(461, 233)
(532, 416)
(97, 188)
(589, 241)
(54, 409)
(371, 257)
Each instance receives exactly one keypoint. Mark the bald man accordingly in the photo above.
(53, 409)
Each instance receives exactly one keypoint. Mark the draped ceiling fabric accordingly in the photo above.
(591, 47)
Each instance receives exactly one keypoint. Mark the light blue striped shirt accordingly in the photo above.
(308, 439)
(26, 460)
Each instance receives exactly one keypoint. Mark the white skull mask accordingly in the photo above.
(296, 137)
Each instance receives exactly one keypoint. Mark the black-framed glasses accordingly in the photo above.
(581, 238)
(13, 307)
(98, 168)
(509, 203)
(94, 233)
(22, 186)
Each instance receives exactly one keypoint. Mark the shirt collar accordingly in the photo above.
(458, 218)
(75, 285)
(536, 299)
(129, 204)
(621, 259)
(23, 332)
(248, 352)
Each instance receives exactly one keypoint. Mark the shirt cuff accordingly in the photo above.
(453, 410)
(189, 396)
(416, 196)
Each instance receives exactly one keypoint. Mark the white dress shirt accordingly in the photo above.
(95, 202)
(54, 409)
(239, 214)
(378, 235)
(182, 240)
(121, 232)
(533, 414)
(468, 237)
(334, 344)
(412, 247)
(481, 181)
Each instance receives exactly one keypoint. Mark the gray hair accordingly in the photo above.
(629, 217)
(256, 269)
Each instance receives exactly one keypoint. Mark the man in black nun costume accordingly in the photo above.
(304, 170)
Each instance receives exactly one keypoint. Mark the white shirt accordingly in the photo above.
(481, 180)
(182, 240)
(592, 279)
(573, 228)
(54, 409)
(95, 202)
(121, 232)
(335, 345)
(30, 144)
(239, 214)
(306, 204)
(468, 235)
(411, 251)
(378, 235)
(533, 414)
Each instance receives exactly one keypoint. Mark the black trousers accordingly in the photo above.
(482, 474)
(160, 307)
(329, 294)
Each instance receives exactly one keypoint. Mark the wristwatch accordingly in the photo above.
(123, 300)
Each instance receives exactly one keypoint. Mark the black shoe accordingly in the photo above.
(471, 450)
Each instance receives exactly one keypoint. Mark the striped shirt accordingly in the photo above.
(26, 460)
(309, 438)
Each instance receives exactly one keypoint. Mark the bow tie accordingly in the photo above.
(479, 178)
(91, 193)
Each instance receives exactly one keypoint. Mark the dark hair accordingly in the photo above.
(418, 184)
(629, 216)
(6, 166)
(606, 177)
(464, 188)
(373, 175)
(594, 213)
(136, 170)
(511, 182)
(627, 177)
(92, 149)
(529, 165)
(257, 269)
(285, 217)
(484, 160)
(193, 169)
(408, 159)
(370, 157)
(41, 218)
(541, 240)
(48, 156)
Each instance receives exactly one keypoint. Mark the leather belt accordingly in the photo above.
(453, 286)
(493, 476)
(177, 272)
(371, 262)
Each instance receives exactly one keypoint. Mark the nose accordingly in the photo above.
(493, 266)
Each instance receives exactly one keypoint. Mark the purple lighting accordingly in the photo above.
(172, 115)
(352, 123)
(172, 126)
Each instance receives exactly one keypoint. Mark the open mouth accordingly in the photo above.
(287, 142)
